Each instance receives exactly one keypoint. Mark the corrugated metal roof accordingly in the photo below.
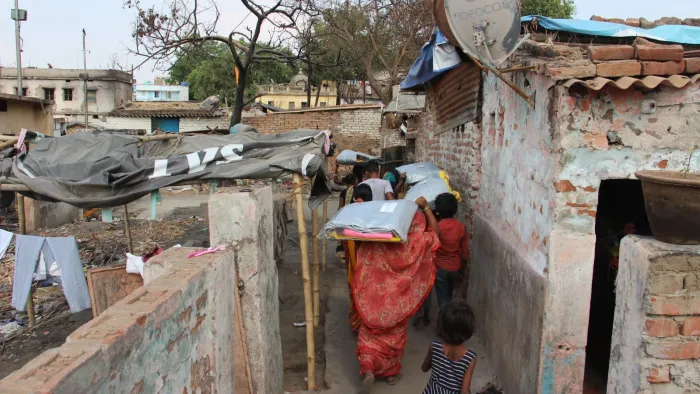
(457, 96)
(650, 82)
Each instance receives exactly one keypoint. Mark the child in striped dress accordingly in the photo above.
(451, 362)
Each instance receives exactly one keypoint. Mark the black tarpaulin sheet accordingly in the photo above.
(99, 171)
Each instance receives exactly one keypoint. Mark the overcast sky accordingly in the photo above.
(53, 34)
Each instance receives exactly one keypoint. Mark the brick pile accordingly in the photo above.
(355, 128)
(671, 339)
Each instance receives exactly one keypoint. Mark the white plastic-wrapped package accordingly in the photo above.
(350, 157)
(379, 221)
(417, 172)
(428, 188)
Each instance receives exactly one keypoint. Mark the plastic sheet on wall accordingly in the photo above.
(417, 172)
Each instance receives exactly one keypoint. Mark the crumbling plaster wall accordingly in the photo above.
(597, 136)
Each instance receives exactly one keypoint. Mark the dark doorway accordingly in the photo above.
(620, 212)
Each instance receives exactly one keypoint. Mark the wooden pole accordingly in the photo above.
(324, 242)
(7, 144)
(22, 219)
(127, 229)
(317, 286)
(308, 307)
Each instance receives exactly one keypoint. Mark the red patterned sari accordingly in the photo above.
(391, 282)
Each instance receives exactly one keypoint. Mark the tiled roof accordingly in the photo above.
(647, 24)
(166, 109)
(643, 64)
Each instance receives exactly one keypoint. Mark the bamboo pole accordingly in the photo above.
(22, 219)
(9, 143)
(308, 307)
(127, 229)
(324, 242)
(316, 281)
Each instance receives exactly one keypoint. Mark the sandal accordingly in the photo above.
(367, 382)
(392, 380)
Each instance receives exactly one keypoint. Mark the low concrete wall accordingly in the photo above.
(179, 333)
(42, 214)
(508, 299)
(655, 346)
(174, 335)
(244, 221)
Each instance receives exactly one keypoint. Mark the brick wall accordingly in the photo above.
(171, 336)
(355, 128)
(457, 151)
(656, 338)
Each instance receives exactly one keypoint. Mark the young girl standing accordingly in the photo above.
(452, 363)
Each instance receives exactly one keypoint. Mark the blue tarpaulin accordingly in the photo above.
(436, 57)
(668, 33)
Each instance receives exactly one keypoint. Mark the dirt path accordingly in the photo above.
(292, 311)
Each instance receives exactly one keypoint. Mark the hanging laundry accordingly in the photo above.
(64, 251)
(5, 239)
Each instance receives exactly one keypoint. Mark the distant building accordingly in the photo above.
(172, 117)
(160, 91)
(293, 95)
(106, 90)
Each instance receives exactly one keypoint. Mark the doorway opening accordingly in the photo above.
(621, 212)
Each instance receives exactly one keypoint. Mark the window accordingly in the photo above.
(323, 104)
(291, 105)
(24, 91)
(95, 116)
(92, 96)
(156, 94)
(67, 94)
(3, 105)
(49, 93)
(304, 104)
(168, 95)
(270, 103)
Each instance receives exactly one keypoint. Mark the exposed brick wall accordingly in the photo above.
(357, 129)
(457, 151)
(656, 338)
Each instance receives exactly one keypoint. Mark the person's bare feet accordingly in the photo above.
(392, 380)
(367, 382)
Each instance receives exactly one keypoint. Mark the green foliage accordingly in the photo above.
(560, 9)
(209, 70)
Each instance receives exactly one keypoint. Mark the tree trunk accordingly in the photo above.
(310, 69)
(239, 100)
(318, 93)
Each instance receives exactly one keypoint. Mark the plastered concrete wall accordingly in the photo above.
(115, 123)
(244, 220)
(357, 129)
(598, 136)
(174, 335)
(26, 115)
(655, 347)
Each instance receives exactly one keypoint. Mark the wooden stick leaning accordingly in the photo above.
(324, 242)
(316, 281)
(127, 229)
(308, 307)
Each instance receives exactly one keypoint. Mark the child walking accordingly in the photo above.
(451, 362)
(451, 257)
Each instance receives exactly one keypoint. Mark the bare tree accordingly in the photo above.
(386, 34)
(186, 24)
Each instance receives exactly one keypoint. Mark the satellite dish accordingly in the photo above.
(485, 29)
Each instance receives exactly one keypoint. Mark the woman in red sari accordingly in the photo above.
(391, 282)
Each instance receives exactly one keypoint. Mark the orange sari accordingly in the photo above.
(391, 281)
